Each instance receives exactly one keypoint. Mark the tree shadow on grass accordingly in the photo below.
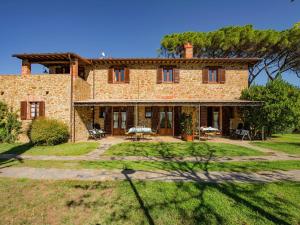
(205, 213)
(13, 153)
(197, 193)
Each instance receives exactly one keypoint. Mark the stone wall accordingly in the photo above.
(143, 84)
(53, 89)
(82, 90)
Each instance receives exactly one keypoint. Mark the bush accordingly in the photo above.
(48, 132)
(10, 126)
(280, 111)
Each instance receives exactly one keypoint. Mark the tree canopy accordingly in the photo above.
(279, 50)
(281, 107)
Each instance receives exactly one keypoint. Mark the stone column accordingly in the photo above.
(26, 68)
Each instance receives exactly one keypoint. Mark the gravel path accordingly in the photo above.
(108, 175)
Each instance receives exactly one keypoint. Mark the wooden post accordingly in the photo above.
(221, 119)
(173, 121)
(112, 121)
(199, 122)
(136, 120)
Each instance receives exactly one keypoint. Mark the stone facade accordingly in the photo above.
(143, 84)
(53, 89)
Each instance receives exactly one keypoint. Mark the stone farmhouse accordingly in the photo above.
(119, 93)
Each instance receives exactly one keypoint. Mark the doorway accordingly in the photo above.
(166, 120)
(119, 120)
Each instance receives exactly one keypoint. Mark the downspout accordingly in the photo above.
(71, 101)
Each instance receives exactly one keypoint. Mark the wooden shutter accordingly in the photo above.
(221, 75)
(130, 117)
(110, 75)
(155, 118)
(126, 71)
(108, 120)
(23, 110)
(203, 116)
(205, 76)
(176, 75)
(41, 109)
(159, 75)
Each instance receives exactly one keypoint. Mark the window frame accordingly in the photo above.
(168, 69)
(217, 81)
(37, 109)
(119, 81)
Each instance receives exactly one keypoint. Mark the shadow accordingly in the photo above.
(195, 197)
(14, 154)
(248, 197)
(138, 197)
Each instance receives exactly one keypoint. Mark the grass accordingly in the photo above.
(288, 143)
(179, 149)
(252, 166)
(137, 202)
(67, 149)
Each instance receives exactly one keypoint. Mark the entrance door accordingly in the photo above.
(166, 121)
(119, 120)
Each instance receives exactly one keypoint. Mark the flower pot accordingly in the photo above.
(188, 137)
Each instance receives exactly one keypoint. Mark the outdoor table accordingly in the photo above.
(209, 130)
(139, 131)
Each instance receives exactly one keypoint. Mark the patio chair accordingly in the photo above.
(94, 132)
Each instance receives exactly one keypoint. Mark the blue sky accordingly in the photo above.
(125, 28)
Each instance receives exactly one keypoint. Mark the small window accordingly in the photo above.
(167, 74)
(102, 112)
(148, 112)
(119, 75)
(213, 75)
(34, 109)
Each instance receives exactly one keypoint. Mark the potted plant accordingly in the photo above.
(187, 127)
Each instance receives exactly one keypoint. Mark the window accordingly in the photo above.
(167, 74)
(119, 75)
(34, 109)
(213, 75)
(148, 112)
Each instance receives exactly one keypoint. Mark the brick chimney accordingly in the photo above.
(26, 68)
(188, 51)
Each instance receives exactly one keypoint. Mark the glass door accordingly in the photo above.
(119, 120)
(166, 121)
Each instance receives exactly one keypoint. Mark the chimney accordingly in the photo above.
(188, 51)
(26, 68)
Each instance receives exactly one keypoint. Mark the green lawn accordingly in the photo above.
(179, 149)
(123, 202)
(67, 149)
(289, 143)
(252, 166)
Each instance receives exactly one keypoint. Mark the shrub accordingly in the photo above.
(48, 132)
(10, 126)
(280, 111)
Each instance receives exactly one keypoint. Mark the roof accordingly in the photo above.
(48, 58)
(105, 61)
(162, 102)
